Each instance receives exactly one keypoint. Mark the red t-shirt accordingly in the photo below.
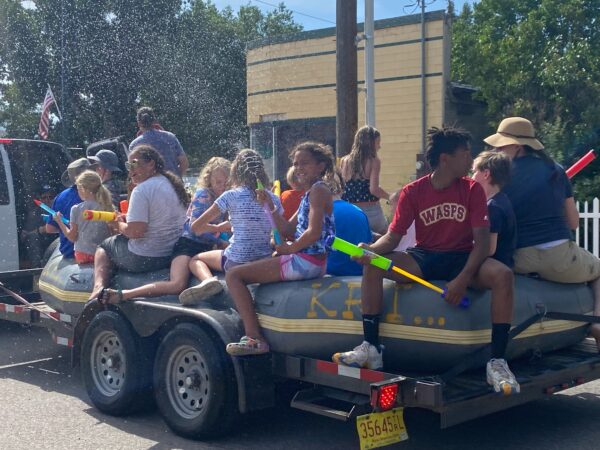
(444, 219)
(290, 200)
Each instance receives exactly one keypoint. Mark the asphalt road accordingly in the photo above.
(43, 406)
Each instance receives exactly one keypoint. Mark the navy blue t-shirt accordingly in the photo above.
(352, 225)
(537, 191)
(503, 222)
(63, 203)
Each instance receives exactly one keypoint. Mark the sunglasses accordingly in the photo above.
(132, 164)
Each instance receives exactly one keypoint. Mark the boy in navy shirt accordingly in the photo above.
(492, 171)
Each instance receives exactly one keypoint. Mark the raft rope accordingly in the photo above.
(468, 361)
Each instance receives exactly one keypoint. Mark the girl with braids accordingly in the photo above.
(360, 171)
(154, 223)
(84, 233)
(250, 225)
(303, 259)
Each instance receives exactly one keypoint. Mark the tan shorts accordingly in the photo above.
(565, 263)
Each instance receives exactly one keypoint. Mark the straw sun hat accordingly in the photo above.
(514, 130)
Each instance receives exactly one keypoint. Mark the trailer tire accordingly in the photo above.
(194, 383)
(116, 365)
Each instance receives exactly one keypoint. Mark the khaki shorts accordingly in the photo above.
(565, 263)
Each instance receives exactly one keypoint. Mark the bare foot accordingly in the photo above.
(96, 293)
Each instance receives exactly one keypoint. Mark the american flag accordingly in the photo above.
(45, 119)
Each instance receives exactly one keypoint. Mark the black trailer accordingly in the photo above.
(132, 353)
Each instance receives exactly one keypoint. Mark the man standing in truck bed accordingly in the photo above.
(162, 141)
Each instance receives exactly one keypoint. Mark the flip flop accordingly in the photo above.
(108, 294)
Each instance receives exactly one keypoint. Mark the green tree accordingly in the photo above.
(186, 59)
(538, 59)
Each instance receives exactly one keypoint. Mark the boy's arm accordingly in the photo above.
(456, 288)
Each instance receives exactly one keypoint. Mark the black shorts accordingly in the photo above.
(117, 250)
(189, 247)
(439, 265)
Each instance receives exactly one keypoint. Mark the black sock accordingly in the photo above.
(371, 329)
(499, 339)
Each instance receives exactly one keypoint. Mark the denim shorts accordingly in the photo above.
(300, 266)
(439, 265)
(117, 249)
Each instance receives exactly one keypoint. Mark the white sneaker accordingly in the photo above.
(196, 294)
(365, 355)
(501, 378)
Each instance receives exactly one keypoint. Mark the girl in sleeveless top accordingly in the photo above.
(360, 171)
(302, 259)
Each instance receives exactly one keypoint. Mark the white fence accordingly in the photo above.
(588, 233)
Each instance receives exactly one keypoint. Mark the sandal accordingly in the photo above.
(248, 346)
(111, 296)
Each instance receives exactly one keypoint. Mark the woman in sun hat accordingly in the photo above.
(542, 198)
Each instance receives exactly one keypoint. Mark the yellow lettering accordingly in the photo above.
(314, 301)
(351, 302)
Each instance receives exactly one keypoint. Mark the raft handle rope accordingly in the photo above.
(467, 362)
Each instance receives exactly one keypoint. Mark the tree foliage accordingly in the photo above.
(537, 59)
(105, 58)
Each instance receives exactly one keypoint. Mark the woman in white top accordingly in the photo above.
(155, 218)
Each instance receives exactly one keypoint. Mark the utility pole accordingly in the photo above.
(346, 76)
(423, 78)
(369, 36)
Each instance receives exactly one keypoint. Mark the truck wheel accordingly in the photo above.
(194, 384)
(116, 365)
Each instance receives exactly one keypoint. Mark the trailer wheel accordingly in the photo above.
(194, 384)
(116, 365)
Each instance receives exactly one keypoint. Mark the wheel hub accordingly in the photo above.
(187, 381)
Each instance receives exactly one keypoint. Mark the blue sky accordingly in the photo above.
(314, 14)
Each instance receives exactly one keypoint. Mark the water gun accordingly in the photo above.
(580, 164)
(50, 210)
(277, 188)
(107, 216)
(124, 206)
(276, 236)
(383, 263)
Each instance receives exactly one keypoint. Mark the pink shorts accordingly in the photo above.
(301, 266)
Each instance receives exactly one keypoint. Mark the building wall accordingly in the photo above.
(293, 78)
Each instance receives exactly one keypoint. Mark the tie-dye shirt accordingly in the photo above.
(203, 199)
(328, 229)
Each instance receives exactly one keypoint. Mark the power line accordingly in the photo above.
(295, 12)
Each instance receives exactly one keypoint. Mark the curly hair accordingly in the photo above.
(444, 140)
(320, 153)
(363, 149)
(214, 163)
(148, 153)
(247, 169)
(91, 182)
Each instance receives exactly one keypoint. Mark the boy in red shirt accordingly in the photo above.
(453, 234)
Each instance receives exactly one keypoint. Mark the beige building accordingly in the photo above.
(291, 91)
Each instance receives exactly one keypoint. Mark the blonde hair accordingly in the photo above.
(363, 149)
(214, 163)
(91, 182)
(247, 169)
(291, 179)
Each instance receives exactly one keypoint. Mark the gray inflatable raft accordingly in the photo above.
(317, 318)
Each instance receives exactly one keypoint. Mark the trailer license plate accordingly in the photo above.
(379, 429)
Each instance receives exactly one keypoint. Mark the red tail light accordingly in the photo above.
(384, 397)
